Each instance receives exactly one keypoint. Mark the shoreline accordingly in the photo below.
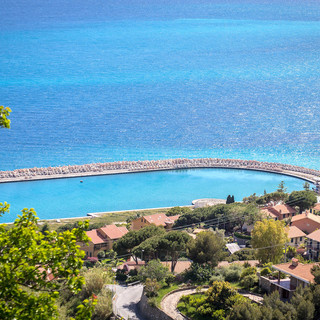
(123, 167)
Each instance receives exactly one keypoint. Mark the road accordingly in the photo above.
(125, 301)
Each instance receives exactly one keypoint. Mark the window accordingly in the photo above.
(300, 238)
(291, 239)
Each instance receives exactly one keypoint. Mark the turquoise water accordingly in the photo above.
(98, 81)
(63, 198)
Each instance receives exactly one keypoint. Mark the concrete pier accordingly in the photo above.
(119, 167)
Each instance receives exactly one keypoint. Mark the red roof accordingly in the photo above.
(279, 209)
(317, 207)
(294, 232)
(108, 232)
(306, 216)
(315, 235)
(161, 219)
(299, 271)
(113, 232)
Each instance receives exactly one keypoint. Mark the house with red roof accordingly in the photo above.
(315, 209)
(299, 274)
(313, 245)
(159, 219)
(102, 239)
(296, 236)
(279, 211)
(307, 222)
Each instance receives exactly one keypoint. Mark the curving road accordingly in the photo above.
(125, 301)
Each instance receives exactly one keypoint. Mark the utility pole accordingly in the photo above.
(285, 253)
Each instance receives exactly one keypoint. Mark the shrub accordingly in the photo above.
(151, 287)
(199, 273)
(265, 271)
(101, 254)
(248, 271)
(120, 275)
(249, 281)
(95, 280)
(103, 308)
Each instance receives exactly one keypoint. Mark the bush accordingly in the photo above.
(103, 308)
(249, 281)
(151, 287)
(120, 275)
(95, 279)
(199, 273)
(265, 271)
(101, 254)
(153, 270)
(229, 273)
(242, 236)
(248, 271)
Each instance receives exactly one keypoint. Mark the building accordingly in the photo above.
(315, 209)
(159, 219)
(279, 211)
(298, 275)
(307, 222)
(102, 239)
(313, 245)
(296, 236)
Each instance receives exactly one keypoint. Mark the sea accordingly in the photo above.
(99, 80)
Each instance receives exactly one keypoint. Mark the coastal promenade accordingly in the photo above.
(119, 167)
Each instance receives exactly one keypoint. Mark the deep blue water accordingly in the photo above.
(64, 198)
(100, 80)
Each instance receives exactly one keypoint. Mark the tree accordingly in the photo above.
(303, 199)
(174, 243)
(4, 117)
(134, 238)
(244, 311)
(281, 187)
(34, 268)
(269, 238)
(153, 270)
(306, 186)
(207, 247)
(178, 211)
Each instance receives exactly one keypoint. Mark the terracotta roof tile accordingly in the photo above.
(315, 235)
(295, 232)
(317, 207)
(113, 232)
(300, 271)
(306, 216)
(161, 219)
(277, 210)
(94, 236)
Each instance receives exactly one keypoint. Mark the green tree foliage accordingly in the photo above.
(242, 255)
(199, 273)
(151, 287)
(266, 198)
(207, 247)
(220, 216)
(174, 243)
(26, 258)
(216, 303)
(303, 199)
(269, 237)
(135, 237)
(153, 270)
(178, 211)
(244, 311)
(306, 186)
(281, 187)
(4, 117)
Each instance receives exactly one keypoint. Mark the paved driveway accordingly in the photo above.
(125, 301)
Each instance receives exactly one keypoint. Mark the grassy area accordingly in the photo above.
(106, 218)
(163, 291)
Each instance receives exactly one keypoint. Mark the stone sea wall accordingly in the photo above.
(152, 165)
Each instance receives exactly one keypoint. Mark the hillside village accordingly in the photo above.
(217, 244)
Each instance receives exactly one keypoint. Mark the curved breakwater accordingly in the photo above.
(93, 169)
